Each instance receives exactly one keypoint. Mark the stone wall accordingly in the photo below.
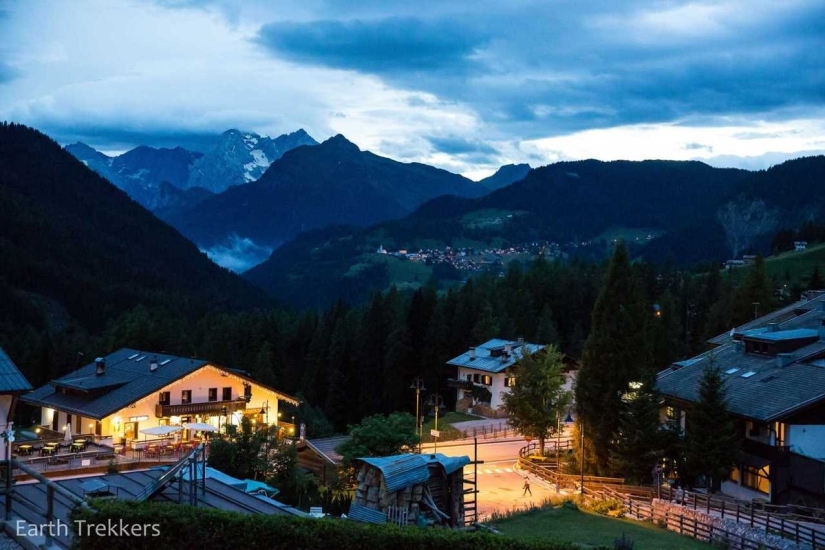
(664, 508)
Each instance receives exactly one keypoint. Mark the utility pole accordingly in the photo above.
(437, 403)
(418, 386)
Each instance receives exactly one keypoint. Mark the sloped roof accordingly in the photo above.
(127, 379)
(485, 361)
(11, 379)
(325, 448)
(760, 386)
(401, 471)
(788, 315)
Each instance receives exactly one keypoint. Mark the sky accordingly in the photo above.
(465, 86)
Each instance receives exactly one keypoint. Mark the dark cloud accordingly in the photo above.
(118, 139)
(385, 46)
(455, 145)
(698, 146)
(588, 68)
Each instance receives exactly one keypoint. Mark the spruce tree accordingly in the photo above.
(711, 445)
(815, 281)
(641, 439)
(757, 288)
(615, 354)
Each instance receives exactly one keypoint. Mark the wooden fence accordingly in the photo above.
(686, 524)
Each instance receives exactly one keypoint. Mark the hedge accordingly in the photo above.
(177, 526)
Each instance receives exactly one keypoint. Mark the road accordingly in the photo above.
(500, 483)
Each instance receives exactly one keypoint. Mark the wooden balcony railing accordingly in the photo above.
(208, 408)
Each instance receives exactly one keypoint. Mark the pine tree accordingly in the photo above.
(640, 442)
(755, 296)
(615, 354)
(815, 281)
(711, 445)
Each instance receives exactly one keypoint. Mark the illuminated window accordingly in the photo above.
(186, 396)
(510, 381)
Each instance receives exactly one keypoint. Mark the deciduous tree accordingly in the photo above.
(538, 399)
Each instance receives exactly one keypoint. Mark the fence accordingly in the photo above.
(684, 520)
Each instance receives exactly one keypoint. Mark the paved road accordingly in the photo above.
(500, 484)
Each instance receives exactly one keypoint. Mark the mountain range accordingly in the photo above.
(82, 251)
(309, 188)
(667, 209)
(236, 158)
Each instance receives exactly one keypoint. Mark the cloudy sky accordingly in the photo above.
(467, 86)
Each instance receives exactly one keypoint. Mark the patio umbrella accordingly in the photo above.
(200, 427)
(160, 430)
(67, 437)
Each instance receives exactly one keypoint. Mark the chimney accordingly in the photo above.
(520, 342)
(100, 366)
(153, 366)
(507, 348)
(784, 359)
(472, 354)
(773, 327)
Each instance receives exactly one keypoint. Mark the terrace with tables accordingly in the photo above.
(85, 452)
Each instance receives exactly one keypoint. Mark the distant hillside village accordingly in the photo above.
(479, 259)
(472, 259)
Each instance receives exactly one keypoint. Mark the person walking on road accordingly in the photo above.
(527, 487)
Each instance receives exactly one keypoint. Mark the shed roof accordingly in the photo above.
(11, 379)
(484, 360)
(401, 471)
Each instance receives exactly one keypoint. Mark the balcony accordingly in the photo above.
(779, 455)
(209, 408)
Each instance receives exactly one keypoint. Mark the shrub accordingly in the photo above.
(606, 507)
(180, 526)
(111, 467)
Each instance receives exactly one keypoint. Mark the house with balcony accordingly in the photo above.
(774, 371)
(117, 395)
(490, 365)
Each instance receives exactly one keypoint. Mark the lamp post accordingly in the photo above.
(8, 439)
(265, 412)
(581, 429)
(436, 402)
(418, 386)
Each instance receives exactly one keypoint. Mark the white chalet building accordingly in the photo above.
(491, 365)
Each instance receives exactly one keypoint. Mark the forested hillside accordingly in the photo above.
(76, 251)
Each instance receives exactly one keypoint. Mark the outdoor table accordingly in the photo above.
(77, 447)
(24, 449)
(82, 442)
(49, 449)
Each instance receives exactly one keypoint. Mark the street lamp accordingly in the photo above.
(436, 402)
(581, 429)
(265, 412)
(8, 439)
(418, 386)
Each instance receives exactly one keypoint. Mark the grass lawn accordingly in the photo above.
(589, 529)
(796, 267)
